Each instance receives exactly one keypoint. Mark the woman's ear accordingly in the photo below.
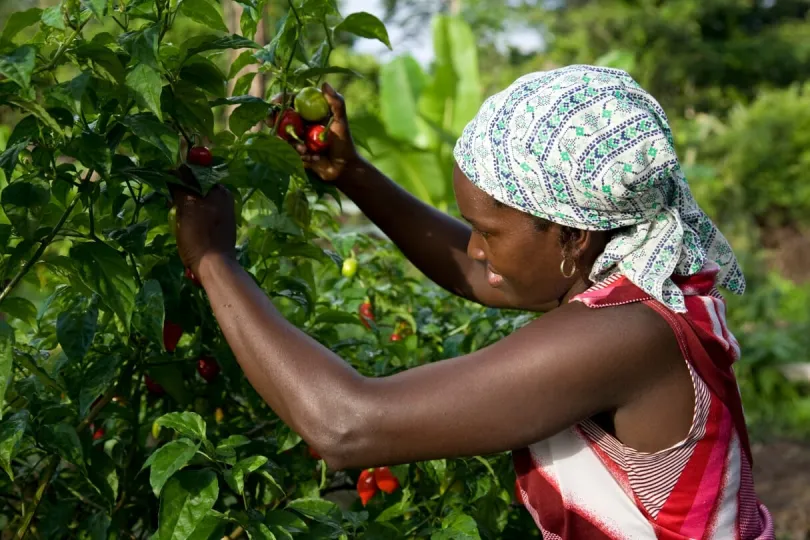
(585, 246)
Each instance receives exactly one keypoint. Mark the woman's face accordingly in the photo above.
(522, 261)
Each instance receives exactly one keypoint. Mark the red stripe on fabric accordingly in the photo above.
(709, 494)
(680, 501)
(547, 503)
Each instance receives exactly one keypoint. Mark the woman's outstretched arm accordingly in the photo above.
(525, 388)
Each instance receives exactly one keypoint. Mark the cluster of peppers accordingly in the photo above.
(303, 123)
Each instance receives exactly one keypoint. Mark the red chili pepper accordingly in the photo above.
(319, 138)
(366, 314)
(172, 332)
(208, 368)
(366, 486)
(385, 479)
(396, 337)
(190, 275)
(291, 126)
(98, 434)
(152, 386)
(200, 155)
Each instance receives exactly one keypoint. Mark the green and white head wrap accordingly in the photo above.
(588, 148)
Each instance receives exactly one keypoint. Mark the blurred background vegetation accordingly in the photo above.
(731, 74)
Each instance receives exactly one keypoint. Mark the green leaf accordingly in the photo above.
(150, 312)
(63, 439)
(92, 151)
(132, 239)
(11, 434)
(98, 7)
(208, 177)
(105, 271)
(186, 501)
(286, 520)
(190, 106)
(38, 111)
(246, 116)
(26, 130)
(218, 43)
(18, 66)
(236, 476)
(53, 18)
(104, 60)
(280, 47)
(401, 83)
(19, 21)
(142, 45)
(311, 73)
(10, 158)
(96, 527)
(455, 94)
(237, 100)
(124, 167)
(152, 131)
(318, 9)
(365, 25)
(96, 380)
(334, 316)
(211, 527)
(167, 460)
(146, 83)
(277, 154)
(24, 204)
(205, 75)
(245, 59)
(76, 328)
(21, 309)
(457, 526)
(295, 289)
(226, 449)
(244, 83)
(185, 423)
(320, 510)
(204, 13)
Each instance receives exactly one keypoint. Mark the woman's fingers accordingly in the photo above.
(335, 100)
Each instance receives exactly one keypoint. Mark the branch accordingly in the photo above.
(40, 250)
(60, 52)
(32, 509)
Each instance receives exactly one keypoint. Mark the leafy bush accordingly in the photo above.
(106, 429)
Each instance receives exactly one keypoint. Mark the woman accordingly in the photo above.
(621, 399)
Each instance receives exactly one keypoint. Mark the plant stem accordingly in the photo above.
(60, 52)
(32, 509)
(249, 194)
(43, 245)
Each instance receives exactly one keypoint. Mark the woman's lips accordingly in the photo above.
(494, 279)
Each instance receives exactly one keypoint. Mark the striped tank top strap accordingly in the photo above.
(716, 372)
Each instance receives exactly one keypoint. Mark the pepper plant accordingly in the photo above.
(123, 413)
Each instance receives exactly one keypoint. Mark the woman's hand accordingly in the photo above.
(341, 153)
(205, 225)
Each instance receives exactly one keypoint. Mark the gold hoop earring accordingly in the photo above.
(568, 275)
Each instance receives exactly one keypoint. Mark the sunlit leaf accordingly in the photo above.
(365, 25)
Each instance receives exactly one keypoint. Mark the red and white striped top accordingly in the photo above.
(584, 484)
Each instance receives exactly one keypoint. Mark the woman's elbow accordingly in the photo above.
(346, 438)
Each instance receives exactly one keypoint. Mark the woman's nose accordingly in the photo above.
(474, 249)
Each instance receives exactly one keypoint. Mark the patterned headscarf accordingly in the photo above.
(588, 148)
